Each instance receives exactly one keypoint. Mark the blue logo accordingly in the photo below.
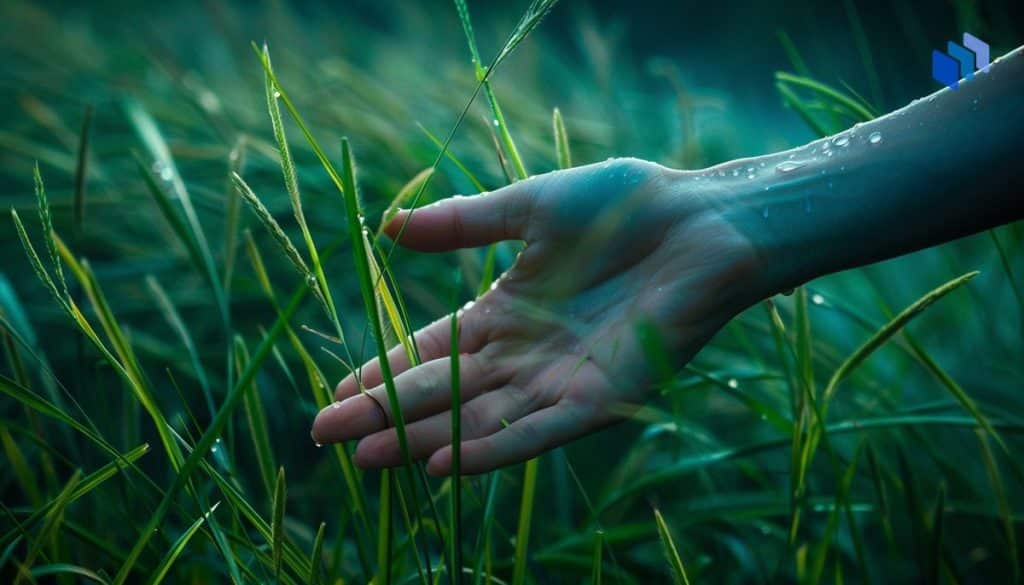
(960, 62)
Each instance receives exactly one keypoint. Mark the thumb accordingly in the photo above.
(464, 222)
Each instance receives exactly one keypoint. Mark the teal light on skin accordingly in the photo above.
(551, 352)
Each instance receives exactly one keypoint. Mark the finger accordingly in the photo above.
(422, 391)
(479, 417)
(524, 439)
(432, 341)
(466, 222)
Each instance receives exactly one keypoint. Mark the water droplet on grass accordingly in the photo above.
(817, 299)
(277, 94)
(733, 383)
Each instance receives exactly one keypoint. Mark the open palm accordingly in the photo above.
(616, 253)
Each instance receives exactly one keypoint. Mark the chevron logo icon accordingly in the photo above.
(959, 62)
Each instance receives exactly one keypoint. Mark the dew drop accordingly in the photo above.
(750, 176)
(764, 212)
(817, 299)
(875, 137)
(318, 445)
(277, 95)
(467, 306)
(495, 122)
(789, 165)
(735, 172)
(841, 140)
(733, 383)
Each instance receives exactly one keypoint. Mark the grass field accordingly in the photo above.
(191, 261)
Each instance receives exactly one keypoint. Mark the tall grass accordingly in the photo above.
(812, 439)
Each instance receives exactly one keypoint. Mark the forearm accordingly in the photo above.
(941, 168)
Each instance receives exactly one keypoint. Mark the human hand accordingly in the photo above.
(551, 352)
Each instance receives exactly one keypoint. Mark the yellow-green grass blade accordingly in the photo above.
(455, 522)
(519, 572)
(212, 433)
(676, 568)
(848, 103)
(404, 195)
(562, 152)
(178, 547)
(23, 474)
(292, 185)
(46, 220)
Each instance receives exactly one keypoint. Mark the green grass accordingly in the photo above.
(153, 294)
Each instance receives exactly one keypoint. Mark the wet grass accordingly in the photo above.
(166, 344)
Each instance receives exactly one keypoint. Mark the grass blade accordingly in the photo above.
(678, 571)
(525, 518)
(277, 528)
(82, 169)
(563, 155)
(178, 547)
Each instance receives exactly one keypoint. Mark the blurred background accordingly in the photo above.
(686, 84)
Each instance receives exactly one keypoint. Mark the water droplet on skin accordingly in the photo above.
(825, 146)
(829, 154)
(733, 383)
(467, 306)
(875, 137)
(841, 140)
(761, 164)
(318, 445)
(735, 172)
(494, 285)
(817, 299)
(750, 169)
(764, 212)
(721, 173)
(336, 404)
(750, 176)
(789, 165)
(807, 204)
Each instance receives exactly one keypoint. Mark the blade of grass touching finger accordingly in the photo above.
(525, 521)
(178, 547)
(403, 196)
(361, 255)
(562, 151)
(316, 558)
(277, 528)
(455, 526)
(82, 169)
(1002, 505)
(677, 570)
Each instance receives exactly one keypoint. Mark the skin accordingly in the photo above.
(627, 255)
